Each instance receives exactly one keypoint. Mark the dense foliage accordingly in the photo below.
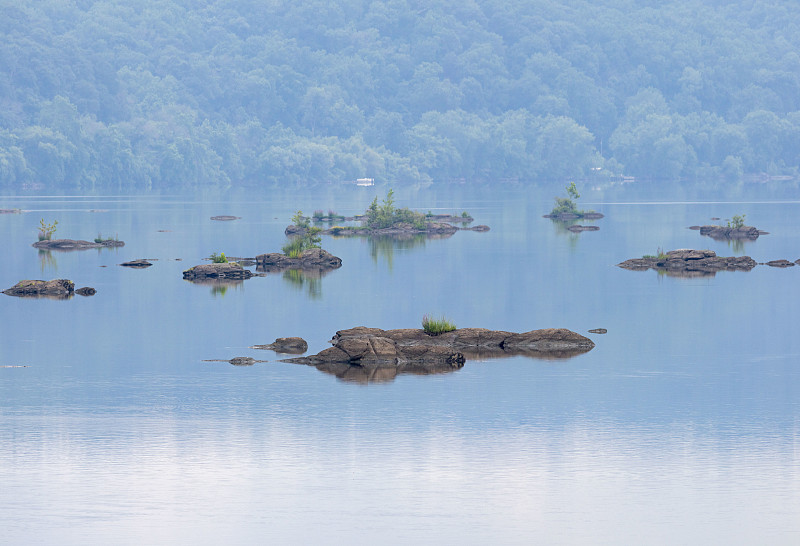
(169, 93)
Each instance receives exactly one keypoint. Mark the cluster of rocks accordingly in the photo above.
(310, 259)
(687, 262)
(589, 215)
(56, 289)
(363, 346)
(70, 244)
(723, 233)
(399, 229)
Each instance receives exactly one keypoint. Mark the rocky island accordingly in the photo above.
(725, 233)
(55, 289)
(686, 262)
(228, 271)
(309, 259)
(70, 244)
(368, 353)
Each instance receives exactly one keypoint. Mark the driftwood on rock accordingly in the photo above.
(70, 244)
(57, 288)
(225, 271)
(690, 263)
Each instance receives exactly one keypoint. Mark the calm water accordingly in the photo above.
(682, 426)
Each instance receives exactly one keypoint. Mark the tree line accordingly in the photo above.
(167, 93)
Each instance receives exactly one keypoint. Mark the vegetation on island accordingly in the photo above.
(307, 239)
(46, 231)
(660, 255)
(436, 325)
(219, 258)
(387, 215)
(567, 205)
(217, 93)
(737, 221)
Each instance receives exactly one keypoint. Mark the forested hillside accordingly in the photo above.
(159, 93)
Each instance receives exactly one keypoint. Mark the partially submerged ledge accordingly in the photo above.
(59, 289)
(71, 244)
(588, 215)
(690, 263)
(724, 233)
(312, 259)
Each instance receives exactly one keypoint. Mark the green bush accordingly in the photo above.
(386, 215)
(301, 243)
(566, 205)
(737, 221)
(219, 258)
(436, 325)
(299, 220)
(46, 231)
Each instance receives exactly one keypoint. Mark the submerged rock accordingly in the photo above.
(226, 271)
(577, 228)
(286, 345)
(780, 263)
(225, 218)
(723, 233)
(57, 288)
(242, 361)
(591, 215)
(598, 331)
(137, 264)
(690, 263)
(70, 244)
(86, 291)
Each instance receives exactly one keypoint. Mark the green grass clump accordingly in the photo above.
(219, 258)
(660, 255)
(436, 325)
(295, 247)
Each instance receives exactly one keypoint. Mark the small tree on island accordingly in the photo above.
(567, 205)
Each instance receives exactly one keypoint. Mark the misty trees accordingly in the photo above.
(156, 94)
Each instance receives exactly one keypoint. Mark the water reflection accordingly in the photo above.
(47, 261)
(310, 279)
(374, 372)
(219, 287)
(385, 245)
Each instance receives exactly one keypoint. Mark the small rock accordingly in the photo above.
(225, 218)
(598, 331)
(242, 361)
(287, 345)
(577, 228)
(86, 291)
(137, 264)
(780, 263)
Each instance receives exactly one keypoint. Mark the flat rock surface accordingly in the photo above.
(726, 233)
(137, 264)
(58, 288)
(71, 244)
(686, 262)
(313, 258)
(227, 271)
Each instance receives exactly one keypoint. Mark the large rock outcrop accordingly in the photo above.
(690, 263)
(313, 258)
(226, 271)
(71, 244)
(723, 233)
(57, 288)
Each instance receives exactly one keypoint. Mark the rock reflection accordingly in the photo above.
(375, 372)
(385, 245)
(311, 280)
(219, 287)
